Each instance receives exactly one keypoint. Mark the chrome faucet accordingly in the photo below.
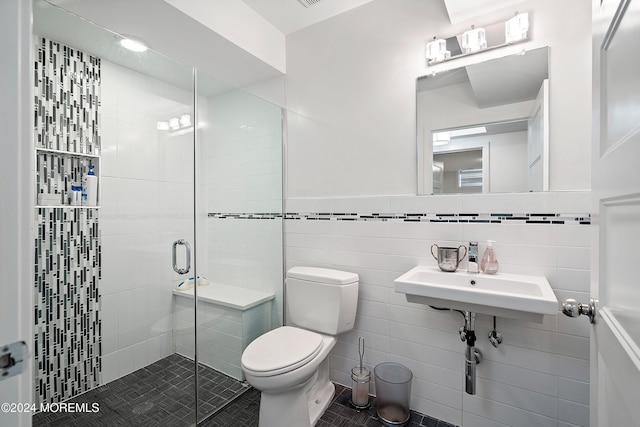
(473, 265)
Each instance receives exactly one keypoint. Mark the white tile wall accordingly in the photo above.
(146, 194)
(244, 154)
(243, 149)
(539, 376)
(147, 201)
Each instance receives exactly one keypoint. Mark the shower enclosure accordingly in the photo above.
(145, 301)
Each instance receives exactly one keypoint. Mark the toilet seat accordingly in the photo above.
(280, 350)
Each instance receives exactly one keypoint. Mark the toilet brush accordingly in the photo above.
(360, 379)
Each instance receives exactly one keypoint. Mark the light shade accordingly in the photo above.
(163, 125)
(474, 40)
(185, 120)
(174, 123)
(437, 50)
(516, 28)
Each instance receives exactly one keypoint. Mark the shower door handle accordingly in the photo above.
(187, 248)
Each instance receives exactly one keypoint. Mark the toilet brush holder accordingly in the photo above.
(360, 380)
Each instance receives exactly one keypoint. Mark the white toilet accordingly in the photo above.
(289, 365)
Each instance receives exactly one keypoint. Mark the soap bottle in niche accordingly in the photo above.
(489, 263)
(90, 188)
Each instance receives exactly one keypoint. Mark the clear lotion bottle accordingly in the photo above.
(489, 263)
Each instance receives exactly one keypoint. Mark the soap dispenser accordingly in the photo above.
(489, 263)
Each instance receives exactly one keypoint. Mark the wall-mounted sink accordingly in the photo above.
(504, 295)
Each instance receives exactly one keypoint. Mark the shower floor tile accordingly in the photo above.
(161, 394)
(243, 412)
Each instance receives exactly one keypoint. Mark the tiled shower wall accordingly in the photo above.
(244, 194)
(539, 376)
(67, 353)
(147, 199)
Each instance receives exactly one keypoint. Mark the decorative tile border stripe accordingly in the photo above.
(244, 215)
(464, 218)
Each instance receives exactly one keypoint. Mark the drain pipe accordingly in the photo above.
(472, 356)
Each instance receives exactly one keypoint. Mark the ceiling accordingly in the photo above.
(509, 79)
(462, 10)
(59, 25)
(500, 81)
(290, 15)
(166, 30)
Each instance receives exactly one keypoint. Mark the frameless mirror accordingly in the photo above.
(485, 127)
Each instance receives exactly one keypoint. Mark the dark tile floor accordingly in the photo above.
(243, 412)
(161, 394)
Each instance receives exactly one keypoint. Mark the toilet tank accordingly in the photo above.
(321, 299)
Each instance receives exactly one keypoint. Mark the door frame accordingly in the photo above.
(16, 183)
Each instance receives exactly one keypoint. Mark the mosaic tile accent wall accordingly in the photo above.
(67, 340)
(67, 99)
(67, 303)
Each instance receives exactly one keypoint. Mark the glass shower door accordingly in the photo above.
(239, 240)
(110, 331)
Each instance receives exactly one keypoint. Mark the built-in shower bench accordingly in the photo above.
(229, 318)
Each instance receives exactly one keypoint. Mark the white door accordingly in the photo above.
(615, 348)
(538, 141)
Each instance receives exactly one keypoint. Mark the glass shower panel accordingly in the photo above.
(110, 327)
(239, 244)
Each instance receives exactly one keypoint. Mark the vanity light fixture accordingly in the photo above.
(437, 50)
(516, 28)
(474, 40)
(181, 122)
(133, 44)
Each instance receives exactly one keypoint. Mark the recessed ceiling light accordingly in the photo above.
(133, 45)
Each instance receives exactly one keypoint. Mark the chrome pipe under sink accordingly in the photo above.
(472, 355)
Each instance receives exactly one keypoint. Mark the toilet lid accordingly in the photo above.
(281, 350)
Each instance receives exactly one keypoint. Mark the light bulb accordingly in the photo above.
(133, 45)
